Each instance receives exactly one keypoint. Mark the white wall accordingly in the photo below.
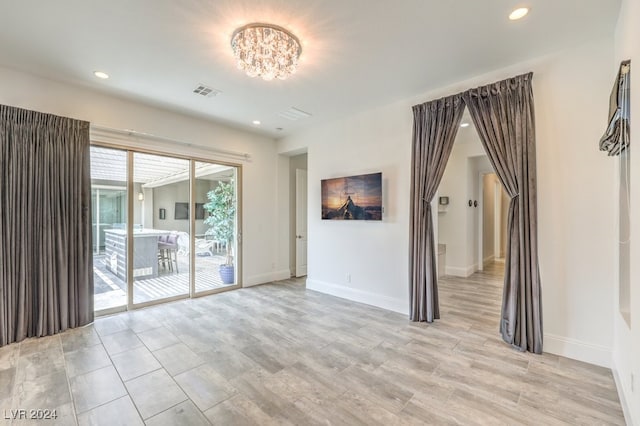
(477, 166)
(373, 253)
(452, 222)
(626, 346)
(504, 220)
(571, 90)
(488, 216)
(165, 197)
(283, 208)
(260, 247)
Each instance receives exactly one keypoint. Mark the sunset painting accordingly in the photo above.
(352, 198)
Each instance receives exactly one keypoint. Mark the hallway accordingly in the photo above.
(475, 301)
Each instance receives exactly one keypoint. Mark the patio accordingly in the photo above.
(110, 291)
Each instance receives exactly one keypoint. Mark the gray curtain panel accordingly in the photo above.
(616, 137)
(503, 114)
(435, 125)
(46, 276)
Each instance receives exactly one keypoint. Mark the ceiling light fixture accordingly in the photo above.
(266, 50)
(464, 125)
(100, 74)
(519, 13)
(256, 122)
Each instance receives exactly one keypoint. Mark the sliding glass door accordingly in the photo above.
(164, 228)
(108, 218)
(216, 231)
(161, 234)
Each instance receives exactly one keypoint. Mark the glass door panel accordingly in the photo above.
(215, 226)
(108, 222)
(161, 217)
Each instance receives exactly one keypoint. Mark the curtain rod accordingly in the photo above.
(526, 75)
(97, 130)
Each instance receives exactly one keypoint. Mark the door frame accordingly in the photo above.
(306, 236)
(98, 188)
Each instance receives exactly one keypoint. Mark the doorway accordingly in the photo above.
(301, 223)
(472, 216)
(298, 240)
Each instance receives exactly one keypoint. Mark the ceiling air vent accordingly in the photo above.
(294, 114)
(206, 91)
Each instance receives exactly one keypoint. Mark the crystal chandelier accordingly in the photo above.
(266, 50)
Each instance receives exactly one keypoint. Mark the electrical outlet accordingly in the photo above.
(348, 277)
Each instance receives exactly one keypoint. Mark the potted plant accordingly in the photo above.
(221, 221)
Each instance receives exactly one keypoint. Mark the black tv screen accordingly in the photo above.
(199, 211)
(182, 211)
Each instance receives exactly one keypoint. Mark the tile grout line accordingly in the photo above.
(120, 377)
(66, 374)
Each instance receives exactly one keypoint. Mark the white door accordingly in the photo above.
(301, 222)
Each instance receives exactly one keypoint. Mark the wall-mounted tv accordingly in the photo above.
(181, 211)
(352, 198)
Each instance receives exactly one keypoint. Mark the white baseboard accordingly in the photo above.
(622, 396)
(461, 272)
(577, 349)
(282, 274)
(384, 302)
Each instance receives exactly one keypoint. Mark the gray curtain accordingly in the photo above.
(616, 137)
(46, 276)
(503, 114)
(435, 125)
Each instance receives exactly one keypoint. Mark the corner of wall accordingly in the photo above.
(630, 417)
(254, 280)
(463, 272)
(400, 306)
(577, 349)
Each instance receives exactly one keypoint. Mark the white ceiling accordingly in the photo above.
(357, 54)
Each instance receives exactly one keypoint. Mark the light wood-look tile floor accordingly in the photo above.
(278, 354)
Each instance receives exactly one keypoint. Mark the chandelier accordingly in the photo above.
(266, 50)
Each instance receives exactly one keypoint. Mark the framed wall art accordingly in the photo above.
(352, 198)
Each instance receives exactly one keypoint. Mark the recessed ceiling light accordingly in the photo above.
(256, 122)
(464, 125)
(518, 13)
(100, 74)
